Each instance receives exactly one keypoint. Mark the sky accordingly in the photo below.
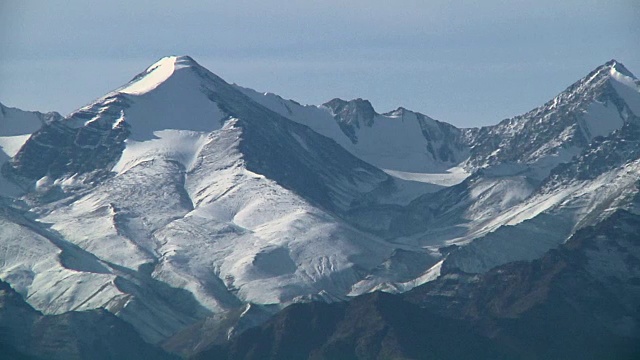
(470, 63)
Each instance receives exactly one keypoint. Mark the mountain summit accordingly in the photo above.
(157, 74)
(181, 200)
(130, 177)
(596, 105)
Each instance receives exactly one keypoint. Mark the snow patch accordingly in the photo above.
(410, 185)
(395, 142)
(628, 88)
(176, 145)
(178, 104)
(449, 177)
(10, 145)
(155, 75)
(602, 119)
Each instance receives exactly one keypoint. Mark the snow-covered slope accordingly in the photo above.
(400, 140)
(581, 193)
(177, 181)
(419, 152)
(539, 140)
(179, 196)
(510, 210)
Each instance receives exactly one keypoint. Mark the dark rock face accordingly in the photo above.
(547, 129)
(61, 147)
(373, 326)
(350, 115)
(602, 155)
(27, 334)
(563, 305)
(217, 329)
(293, 155)
(444, 141)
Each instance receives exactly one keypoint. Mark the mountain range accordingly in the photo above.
(220, 222)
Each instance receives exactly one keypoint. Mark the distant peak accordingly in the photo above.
(600, 77)
(398, 112)
(335, 104)
(184, 58)
(352, 112)
(158, 73)
(619, 68)
(611, 62)
(358, 104)
(174, 62)
(185, 61)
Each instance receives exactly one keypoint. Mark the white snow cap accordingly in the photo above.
(625, 84)
(157, 73)
(617, 66)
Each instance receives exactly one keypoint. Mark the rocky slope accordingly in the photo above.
(97, 334)
(598, 104)
(16, 126)
(579, 301)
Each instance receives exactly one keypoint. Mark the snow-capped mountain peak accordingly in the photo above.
(165, 111)
(352, 115)
(598, 104)
(179, 195)
(618, 67)
(626, 85)
(413, 144)
(157, 73)
(179, 149)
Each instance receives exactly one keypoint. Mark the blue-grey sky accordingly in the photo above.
(470, 63)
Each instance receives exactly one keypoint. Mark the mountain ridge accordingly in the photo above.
(561, 305)
(179, 188)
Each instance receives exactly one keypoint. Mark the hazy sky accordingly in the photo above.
(466, 62)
